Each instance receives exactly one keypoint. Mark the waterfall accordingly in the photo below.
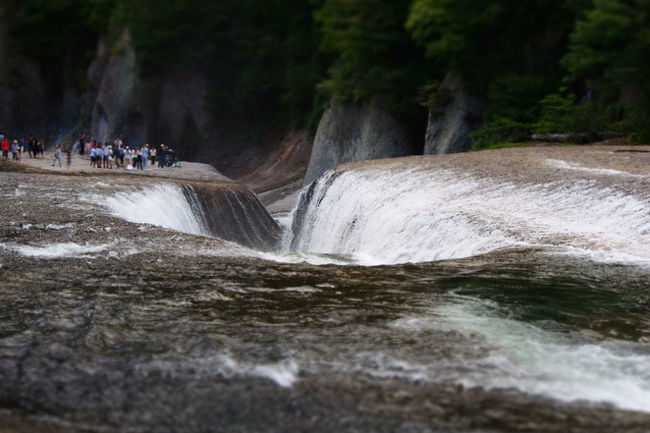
(163, 205)
(230, 212)
(399, 214)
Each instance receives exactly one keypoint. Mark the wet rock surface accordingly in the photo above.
(144, 329)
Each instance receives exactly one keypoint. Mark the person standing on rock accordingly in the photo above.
(162, 156)
(145, 155)
(93, 155)
(30, 146)
(68, 160)
(99, 155)
(14, 150)
(40, 147)
(138, 158)
(21, 144)
(57, 155)
(5, 147)
(121, 149)
(107, 151)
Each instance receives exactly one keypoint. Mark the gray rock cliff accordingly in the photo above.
(348, 133)
(453, 115)
(116, 109)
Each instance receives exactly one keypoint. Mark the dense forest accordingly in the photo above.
(542, 65)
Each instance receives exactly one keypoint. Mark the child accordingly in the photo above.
(68, 161)
(57, 155)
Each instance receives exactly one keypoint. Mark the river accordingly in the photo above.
(405, 297)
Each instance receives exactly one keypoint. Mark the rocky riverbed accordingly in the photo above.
(110, 325)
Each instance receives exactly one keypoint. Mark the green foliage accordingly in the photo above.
(556, 110)
(280, 61)
(371, 53)
(483, 39)
(499, 129)
(513, 109)
(609, 52)
(60, 34)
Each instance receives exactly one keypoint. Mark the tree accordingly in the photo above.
(506, 50)
(608, 55)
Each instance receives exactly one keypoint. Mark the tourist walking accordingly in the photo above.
(57, 156)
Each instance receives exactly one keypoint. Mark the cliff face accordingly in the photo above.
(453, 115)
(348, 133)
(115, 95)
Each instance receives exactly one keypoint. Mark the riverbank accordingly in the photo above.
(80, 165)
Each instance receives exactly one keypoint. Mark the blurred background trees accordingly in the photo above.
(542, 65)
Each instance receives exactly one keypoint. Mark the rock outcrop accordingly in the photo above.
(349, 133)
(116, 107)
(232, 212)
(453, 115)
(171, 111)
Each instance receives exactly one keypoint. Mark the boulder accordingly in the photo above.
(349, 132)
(453, 115)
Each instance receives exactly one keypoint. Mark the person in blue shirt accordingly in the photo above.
(57, 155)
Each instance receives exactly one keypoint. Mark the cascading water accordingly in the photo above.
(163, 205)
(389, 215)
(231, 214)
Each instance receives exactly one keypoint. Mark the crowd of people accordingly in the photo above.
(118, 155)
(33, 145)
(102, 155)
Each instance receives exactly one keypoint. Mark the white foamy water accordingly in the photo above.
(411, 215)
(538, 361)
(577, 167)
(284, 373)
(51, 251)
(163, 205)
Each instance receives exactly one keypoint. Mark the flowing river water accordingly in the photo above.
(405, 297)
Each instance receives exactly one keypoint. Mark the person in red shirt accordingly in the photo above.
(5, 148)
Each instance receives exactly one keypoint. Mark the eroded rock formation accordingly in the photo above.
(348, 133)
(453, 115)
